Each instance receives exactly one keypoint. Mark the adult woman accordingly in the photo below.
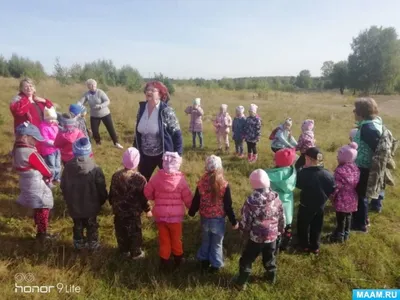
(26, 106)
(157, 129)
(367, 137)
(99, 112)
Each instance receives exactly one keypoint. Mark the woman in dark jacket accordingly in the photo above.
(157, 129)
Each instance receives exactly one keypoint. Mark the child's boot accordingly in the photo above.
(240, 282)
(270, 277)
(80, 244)
(255, 156)
(178, 260)
(250, 157)
(204, 265)
(164, 265)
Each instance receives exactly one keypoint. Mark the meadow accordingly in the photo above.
(369, 260)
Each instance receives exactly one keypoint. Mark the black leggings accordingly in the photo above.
(251, 148)
(107, 121)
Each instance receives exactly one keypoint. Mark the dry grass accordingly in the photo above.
(366, 261)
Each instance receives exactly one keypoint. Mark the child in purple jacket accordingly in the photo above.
(345, 199)
(196, 123)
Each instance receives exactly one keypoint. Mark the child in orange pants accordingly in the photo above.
(171, 193)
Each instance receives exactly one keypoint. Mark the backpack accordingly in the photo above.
(273, 133)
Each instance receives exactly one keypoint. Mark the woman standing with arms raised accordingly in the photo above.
(157, 129)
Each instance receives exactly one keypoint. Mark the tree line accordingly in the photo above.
(373, 67)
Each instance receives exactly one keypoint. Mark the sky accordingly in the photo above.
(191, 38)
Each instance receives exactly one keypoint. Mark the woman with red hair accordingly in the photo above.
(157, 129)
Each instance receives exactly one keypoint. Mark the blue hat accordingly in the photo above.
(82, 147)
(76, 109)
(27, 128)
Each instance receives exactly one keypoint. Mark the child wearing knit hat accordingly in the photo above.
(345, 199)
(317, 185)
(83, 186)
(79, 112)
(213, 199)
(51, 155)
(306, 140)
(283, 181)
(238, 125)
(128, 203)
(264, 220)
(170, 192)
(252, 133)
(196, 113)
(281, 137)
(223, 124)
(66, 137)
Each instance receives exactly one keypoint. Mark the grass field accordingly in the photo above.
(367, 261)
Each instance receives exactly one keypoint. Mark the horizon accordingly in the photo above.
(192, 39)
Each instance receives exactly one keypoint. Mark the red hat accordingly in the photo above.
(285, 157)
(162, 89)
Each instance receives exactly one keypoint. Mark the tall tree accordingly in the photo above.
(304, 79)
(339, 76)
(327, 68)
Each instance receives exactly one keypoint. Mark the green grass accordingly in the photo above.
(367, 261)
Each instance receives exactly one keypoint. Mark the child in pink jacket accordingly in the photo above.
(49, 131)
(223, 124)
(345, 199)
(306, 141)
(67, 137)
(170, 192)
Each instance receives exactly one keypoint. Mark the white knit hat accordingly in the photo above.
(224, 107)
(253, 108)
(197, 101)
(213, 163)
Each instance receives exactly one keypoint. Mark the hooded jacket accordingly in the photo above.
(262, 217)
(83, 186)
(345, 198)
(65, 140)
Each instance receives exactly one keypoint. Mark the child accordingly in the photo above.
(51, 155)
(317, 185)
(67, 136)
(252, 133)
(196, 123)
(281, 137)
(170, 192)
(306, 140)
(352, 134)
(83, 186)
(213, 199)
(128, 202)
(33, 172)
(345, 199)
(263, 218)
(238, 125)
(222, 125)
(79, 112)
(283, 181)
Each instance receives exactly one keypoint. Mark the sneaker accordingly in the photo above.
(213, 270)
(270, 277)
(139, 256)
(368, 223)
(118, 146)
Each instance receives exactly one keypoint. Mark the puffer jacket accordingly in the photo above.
(49, 131)
(64, 142)
(252, 129)
(345, 197)
(83, 186)
(262, 217)
(170, 193)
(238, 128)
(196, 122)
(306, 141)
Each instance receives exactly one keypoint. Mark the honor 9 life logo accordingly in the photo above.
(24, 284)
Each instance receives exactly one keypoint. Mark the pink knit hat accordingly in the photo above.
(308, 125)
(131, 158)
(259, 179)
(348, 153)
(171, 162)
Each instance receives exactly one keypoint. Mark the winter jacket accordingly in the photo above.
(367, 138)
(223, 123)
(170, 193)
(64, 142)
(238, 126)
(83, 186)
(208, 209)
(127, 194)
(31, 168)
(252, 129)
(283, 139)
(283, 181)
(170, 130)
(317, 185)
(81, 125)
(345, 197)
(262, 217)
(306, 141)
(196, 122)
(96, 98)
(49, 131)
(23, 110)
